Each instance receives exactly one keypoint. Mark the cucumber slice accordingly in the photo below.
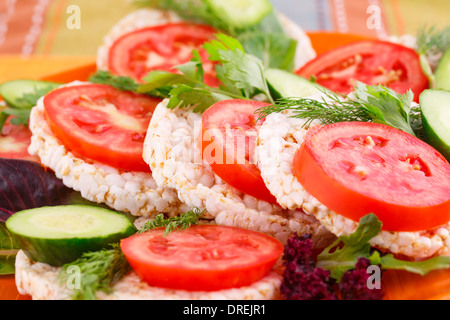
(435, 108)
(285, 84)
(240, 13)
(442, 73)
(13, 91)
(61, 234)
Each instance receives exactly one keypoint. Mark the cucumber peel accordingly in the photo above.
(435, 109)
(442, 73)
(61, 234)
(285, 84)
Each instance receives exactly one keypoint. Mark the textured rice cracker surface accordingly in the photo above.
(279, 138)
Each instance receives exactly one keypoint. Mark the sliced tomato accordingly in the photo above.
(101, 123)
(202, 257)
(372, 62)
(357, 168)
(14, 142)
(161, 48)
(229, 132)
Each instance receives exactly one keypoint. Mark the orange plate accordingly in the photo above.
(398, 285)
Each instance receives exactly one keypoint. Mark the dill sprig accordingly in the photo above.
(171, 224)
(432, 41)
(368, 104)
(98, 270)
(330, 108)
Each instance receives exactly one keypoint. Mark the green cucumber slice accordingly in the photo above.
(13, 91)
(61, 234)
(442, 73)
(285, 84)
(435, 108)
(240, 13)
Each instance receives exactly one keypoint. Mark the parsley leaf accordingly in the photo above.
(386, 106)
(275, 50)
(239, 71)
(343, 254)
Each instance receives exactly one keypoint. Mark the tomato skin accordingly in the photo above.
(372, 62)
(403, 199)
(202, 257)
(101, 123)
(225, 156)
(161, 47)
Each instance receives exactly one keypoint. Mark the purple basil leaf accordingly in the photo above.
(26, 184)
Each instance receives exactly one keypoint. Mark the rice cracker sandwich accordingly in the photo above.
(91, 136)
(340, 171)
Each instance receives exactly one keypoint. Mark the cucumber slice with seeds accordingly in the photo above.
(240, 13)
(61, 234)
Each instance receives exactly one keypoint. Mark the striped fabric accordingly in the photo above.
(76, 27)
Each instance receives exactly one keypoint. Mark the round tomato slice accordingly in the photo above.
(161, 48)
(229, 132)
(372, 62)
(101, 123)
(357, 168)
(202, 257)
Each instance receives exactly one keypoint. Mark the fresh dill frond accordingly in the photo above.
(171, 224)
(432, 41)
(368, 104)
(98, 271)
(331, 108)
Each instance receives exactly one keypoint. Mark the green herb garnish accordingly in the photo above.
(171, 224)
(99, 271)
(369, 104)
(241, 74)
(343, 254)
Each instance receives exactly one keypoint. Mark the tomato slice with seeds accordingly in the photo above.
(161, 48)
(357, 168)
(229, 132)
(372, 62)
(101, 123)
(202, 257)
